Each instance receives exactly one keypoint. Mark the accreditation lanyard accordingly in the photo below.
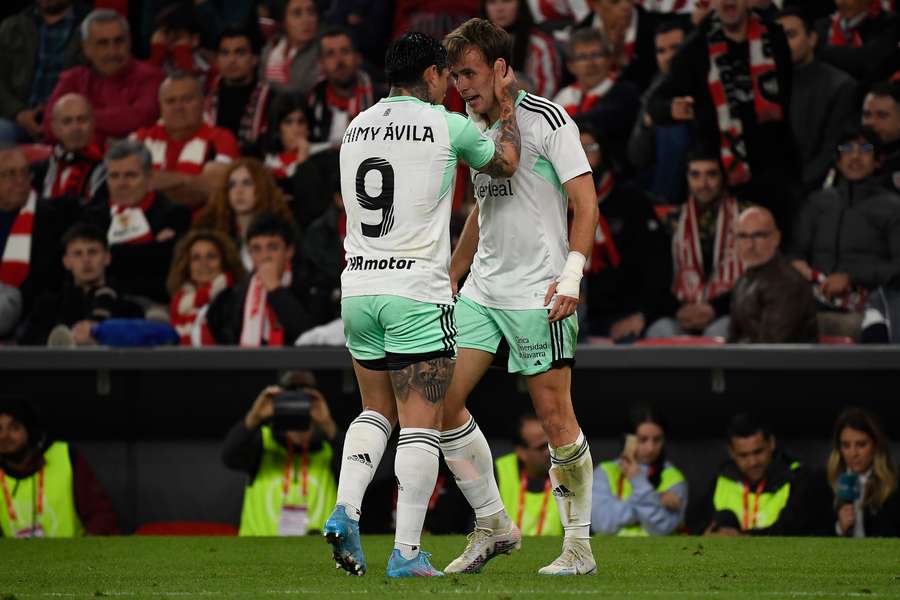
(7, 497)
(290, 471)
(750, 518)
(543, 515)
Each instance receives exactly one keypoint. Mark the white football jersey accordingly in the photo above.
(523, 240)
(398, 169)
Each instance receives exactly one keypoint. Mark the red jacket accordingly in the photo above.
(122, 103)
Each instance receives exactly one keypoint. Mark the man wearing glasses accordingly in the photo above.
(847, 239)
(771, 303)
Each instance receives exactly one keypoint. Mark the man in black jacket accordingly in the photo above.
(732, 80)
(272, 307)
(881, 112)
(85, 299)
(142, 225)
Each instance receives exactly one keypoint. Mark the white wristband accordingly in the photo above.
(570, 279)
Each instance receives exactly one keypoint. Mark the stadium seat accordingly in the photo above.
(187, 528)
(682, 340)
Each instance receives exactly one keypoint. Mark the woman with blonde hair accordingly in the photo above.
(863, 477)
(205, 263)
(248, 190)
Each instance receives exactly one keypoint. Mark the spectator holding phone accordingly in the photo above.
(863, 477)
(641, 493)
(291, 449)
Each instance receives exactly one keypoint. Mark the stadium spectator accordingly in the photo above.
(771, 303)
(732, 80)
(641, 493)
(290, 62)
(344, 91)
(881, 112)
(596, 97)
(49, 489)
(627, 275)
(248, 190)
(861, 39)
(369, 24)
(863, 477)
(292, 483)
(75, 167)
(175, 45)
(37, 44)
(10, 309)
(189, 156)
(523, 477)
(142, 224)
(205, 263)
(630, 31)
(847, 238)
(667, 7)
(238, 100)
(302, 175)
(87, 297)
(705, 253)
(271, 307)
(122, 90)
(534, 55)
(323, 249)
(559, 12)
(29, 234)
(759, 491)
(435, 18)
(658, 152)
(823, 99)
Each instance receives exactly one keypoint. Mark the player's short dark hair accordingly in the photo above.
(409, 55)
(266, 223)
(798, 13)
(670, 25)
(335, 31)
(252, 34)
(84, 232)
(491, 40)
(744, 425)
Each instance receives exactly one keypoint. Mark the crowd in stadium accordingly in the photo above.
(170, 168)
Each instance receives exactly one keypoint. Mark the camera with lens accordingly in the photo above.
(291, 411)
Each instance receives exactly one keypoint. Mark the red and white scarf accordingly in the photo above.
(852, 301)
(74, 173)
(129, 224)
(844, 33)
(16, 261)
(762, 73)
(576, 100)
(194, 154)
(282, 165)
(690, 284)
(278, 65)
(253, 122)
(188, 310)
(260, 322)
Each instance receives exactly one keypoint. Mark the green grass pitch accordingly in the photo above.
(656, 568)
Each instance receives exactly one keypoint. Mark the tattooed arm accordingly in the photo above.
(427, 379)
(509, 143)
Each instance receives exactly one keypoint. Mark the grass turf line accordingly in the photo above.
(654, 568)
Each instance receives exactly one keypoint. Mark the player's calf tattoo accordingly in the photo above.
(428, 379)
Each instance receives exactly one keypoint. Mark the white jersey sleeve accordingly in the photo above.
(562, 147)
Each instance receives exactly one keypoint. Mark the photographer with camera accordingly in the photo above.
(291, 449)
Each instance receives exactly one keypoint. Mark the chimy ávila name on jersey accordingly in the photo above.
(390, 133)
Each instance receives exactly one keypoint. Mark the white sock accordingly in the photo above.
(572, 477)
(364, 446)
(416, 468)
(468, 456)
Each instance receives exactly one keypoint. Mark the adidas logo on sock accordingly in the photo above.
(363, 458)
(562, 491)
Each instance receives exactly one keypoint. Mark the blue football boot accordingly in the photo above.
(342, 533)
(419, 566)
